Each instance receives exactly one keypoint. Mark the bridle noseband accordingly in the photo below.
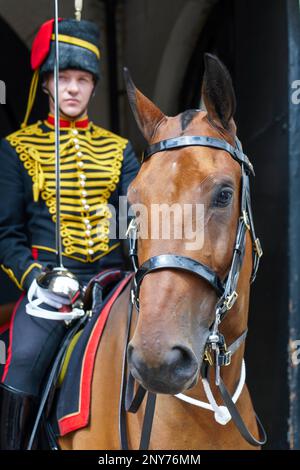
(216, 351)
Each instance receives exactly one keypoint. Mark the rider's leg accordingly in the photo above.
(33, 345)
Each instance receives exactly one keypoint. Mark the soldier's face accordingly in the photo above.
(75, 90)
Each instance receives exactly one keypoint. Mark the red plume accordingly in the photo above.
(41, 44)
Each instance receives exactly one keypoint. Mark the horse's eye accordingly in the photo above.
(223, 198)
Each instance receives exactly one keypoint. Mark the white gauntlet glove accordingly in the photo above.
(37, 296)
(49, 298)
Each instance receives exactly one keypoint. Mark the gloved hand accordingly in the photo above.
(37, 296)
(49, 298)
(46, 297)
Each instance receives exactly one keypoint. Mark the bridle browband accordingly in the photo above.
(199, 141)
(216, 351)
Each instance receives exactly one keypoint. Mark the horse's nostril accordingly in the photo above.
(180, 359)
(175, 368)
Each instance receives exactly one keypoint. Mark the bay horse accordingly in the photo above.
(186, 308)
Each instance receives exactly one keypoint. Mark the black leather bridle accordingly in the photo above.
(216, 351)
(226, 290)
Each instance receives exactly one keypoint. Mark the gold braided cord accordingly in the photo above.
(102, 227)
(11, 275)
(77, 258)
(103, 145)
(92, 201)
(77, 193)
(45, 248)
(31, 97)
(75, 209)
(100, 162)
(100, 147)
(75, 236)
(28, 270)
(73, 251)
(89, 184)
(102, 168)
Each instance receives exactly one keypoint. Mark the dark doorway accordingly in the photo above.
(15, 72)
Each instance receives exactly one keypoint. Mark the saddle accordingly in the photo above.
(74, 392)
(65, 400)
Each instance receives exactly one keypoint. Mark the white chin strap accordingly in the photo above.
(33, 308)
(221, 413)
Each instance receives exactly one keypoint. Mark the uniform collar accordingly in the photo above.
(67, 124)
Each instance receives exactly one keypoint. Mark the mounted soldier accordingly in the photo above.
(95, 168)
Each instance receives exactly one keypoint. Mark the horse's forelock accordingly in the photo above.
(187, 116)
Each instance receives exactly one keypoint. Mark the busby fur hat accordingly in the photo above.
(78, 47)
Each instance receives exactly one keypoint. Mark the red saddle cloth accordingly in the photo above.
(74, 396)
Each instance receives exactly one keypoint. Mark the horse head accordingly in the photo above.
(182, 290)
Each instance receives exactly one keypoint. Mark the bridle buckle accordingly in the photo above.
(216, 351)
(230, 300)
(258, 248)
(132, 296)
(212, 345)
(245, 219)
(132, 228)
(208, 357)
(224, 358)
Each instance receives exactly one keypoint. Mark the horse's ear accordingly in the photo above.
(146, 114)
(217, 92)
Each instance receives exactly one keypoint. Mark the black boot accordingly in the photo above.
(17, 415)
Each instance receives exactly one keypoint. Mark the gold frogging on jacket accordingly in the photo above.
(91, 163)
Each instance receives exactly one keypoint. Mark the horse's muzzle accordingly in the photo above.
(177, 370)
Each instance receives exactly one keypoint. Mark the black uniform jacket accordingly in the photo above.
(97, 167)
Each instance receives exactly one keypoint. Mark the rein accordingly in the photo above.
(216, 354)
